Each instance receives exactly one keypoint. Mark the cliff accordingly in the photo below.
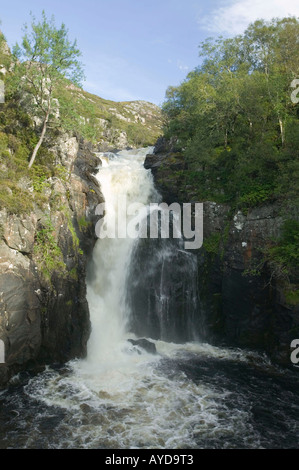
(244, 300)
(44, 314)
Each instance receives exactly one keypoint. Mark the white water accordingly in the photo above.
(120, 178)
(117, 398)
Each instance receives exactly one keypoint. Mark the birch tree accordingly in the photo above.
(45, 56)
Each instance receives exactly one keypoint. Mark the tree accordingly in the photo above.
(45, 57)
(233, 117)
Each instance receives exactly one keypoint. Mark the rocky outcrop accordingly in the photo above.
(143, 344)
(44, 316)
(162, 297)
(240, 302)
(167, 170)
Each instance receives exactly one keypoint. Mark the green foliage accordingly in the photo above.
(61, 172)
(47, 253)
(260, 195)
(40, 181)
(139, 136)
(83, 223)
(5, 58)
(292, 296)
(281, 256)
(13, 199)
(18, 193)
(233, 119)
(285, 253)
(45, 57)
(50, 53)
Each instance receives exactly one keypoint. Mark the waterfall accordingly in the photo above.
(136, 282)
(189, 395)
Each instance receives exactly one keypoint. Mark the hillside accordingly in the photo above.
(120, 124)
(77, 115)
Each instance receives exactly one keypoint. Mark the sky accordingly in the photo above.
(135, 49)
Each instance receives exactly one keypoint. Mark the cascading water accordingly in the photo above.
(190, 395)
(146, 285)
(121, 178)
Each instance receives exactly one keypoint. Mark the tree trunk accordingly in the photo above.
(39, 143)
(281, 130)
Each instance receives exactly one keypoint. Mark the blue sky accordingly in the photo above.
(135, 49)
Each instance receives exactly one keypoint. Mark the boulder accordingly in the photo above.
(145, 344)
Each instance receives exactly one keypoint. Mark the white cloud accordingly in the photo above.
(234, 17)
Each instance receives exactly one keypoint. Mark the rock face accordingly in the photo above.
(144, 344)
(44, 314)
(235, 306)
(163, 299)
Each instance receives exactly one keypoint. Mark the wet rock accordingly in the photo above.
(166, 169)
(235, 306)
(162, 297)
(145, 344)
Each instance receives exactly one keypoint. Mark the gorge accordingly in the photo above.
(190, 394)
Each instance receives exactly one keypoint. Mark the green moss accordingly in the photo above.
(292, 296)
(61, 172)
(47, 253)
(83, 223)
(212, 243)
(76, 241)
(72, 230)
(40, 180)
(74, 274)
